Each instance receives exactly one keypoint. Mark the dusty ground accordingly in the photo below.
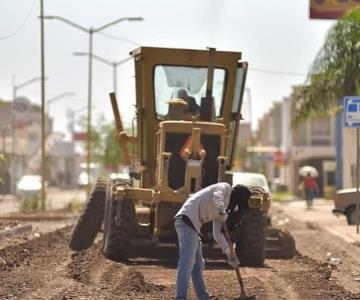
(40, 266)
(338, 258)
(41, 224)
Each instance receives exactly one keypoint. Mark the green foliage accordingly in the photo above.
(97, 133)
(335, 72)
(112, 156)
(105, 147)
(30, 205)
(75, 206)
(280, 196)
(301, 189)
(329, 192)
(2, 161)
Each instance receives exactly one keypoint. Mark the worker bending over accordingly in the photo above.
(212, 203)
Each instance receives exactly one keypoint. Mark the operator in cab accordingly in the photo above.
(182, 106)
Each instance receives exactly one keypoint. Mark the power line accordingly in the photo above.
(287, 73)
(119, 38)
(21, 25)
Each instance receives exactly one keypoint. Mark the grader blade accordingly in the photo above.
(279, 244)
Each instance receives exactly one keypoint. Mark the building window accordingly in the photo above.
(320, 132)
(320, 142)
(320, 126)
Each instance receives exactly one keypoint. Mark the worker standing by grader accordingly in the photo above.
(188, 109)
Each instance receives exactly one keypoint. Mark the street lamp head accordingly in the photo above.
(80, 53)
(49, 17)
(135, 19)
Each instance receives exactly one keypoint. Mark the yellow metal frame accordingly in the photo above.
(151, 132)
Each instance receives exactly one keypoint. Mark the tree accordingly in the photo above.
(105, 147)
(335, 72)
(2, 161)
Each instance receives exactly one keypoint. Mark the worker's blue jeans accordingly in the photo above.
(191, 262)
(309, 196)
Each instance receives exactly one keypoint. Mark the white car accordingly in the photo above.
(254, 180)
(28, 186)
(250, 180)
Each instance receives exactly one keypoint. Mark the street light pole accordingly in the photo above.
(90, 31)
(114, 69)
(89, 133)
(56, 98)
(15, 88)
(113, 64)
(248, 91)
(43, 163)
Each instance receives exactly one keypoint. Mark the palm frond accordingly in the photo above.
(335, 72)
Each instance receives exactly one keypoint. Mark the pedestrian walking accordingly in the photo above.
(208, 204)
(310, 188)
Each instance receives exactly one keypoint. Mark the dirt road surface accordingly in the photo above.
(42, 267)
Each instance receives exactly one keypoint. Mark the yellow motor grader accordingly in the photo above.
(188, 109)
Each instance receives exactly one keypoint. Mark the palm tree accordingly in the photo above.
(335, 72)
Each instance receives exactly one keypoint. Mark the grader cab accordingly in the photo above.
(188, 109)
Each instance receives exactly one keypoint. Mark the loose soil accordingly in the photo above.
(43, 267)
(338, 259)
(6, 224)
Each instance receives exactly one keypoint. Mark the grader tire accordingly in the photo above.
(118, 230)
(89, 222)
(250, 245)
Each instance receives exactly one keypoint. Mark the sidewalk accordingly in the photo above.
(55, 199)
(321, 216)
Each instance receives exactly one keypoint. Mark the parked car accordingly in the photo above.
(251, 179)
(254, 180)
(345, 203)
(28, 186)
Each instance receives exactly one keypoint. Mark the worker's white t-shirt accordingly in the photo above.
(205, 206)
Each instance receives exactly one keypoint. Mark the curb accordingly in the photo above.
(5, 233)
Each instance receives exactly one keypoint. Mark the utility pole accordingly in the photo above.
(248, 92)
(42, 54)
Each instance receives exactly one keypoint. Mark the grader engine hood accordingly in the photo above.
(174, 92)
(190, 155)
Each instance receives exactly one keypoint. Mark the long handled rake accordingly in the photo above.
(243, 295)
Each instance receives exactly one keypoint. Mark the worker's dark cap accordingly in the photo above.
(240, 195)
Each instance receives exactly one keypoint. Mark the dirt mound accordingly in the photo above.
(82, 263)
(17, 255)
(133, 281)
(78, 268)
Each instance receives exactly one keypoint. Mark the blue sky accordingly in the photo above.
(273, 35)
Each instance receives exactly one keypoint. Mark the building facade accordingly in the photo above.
(312, 143)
